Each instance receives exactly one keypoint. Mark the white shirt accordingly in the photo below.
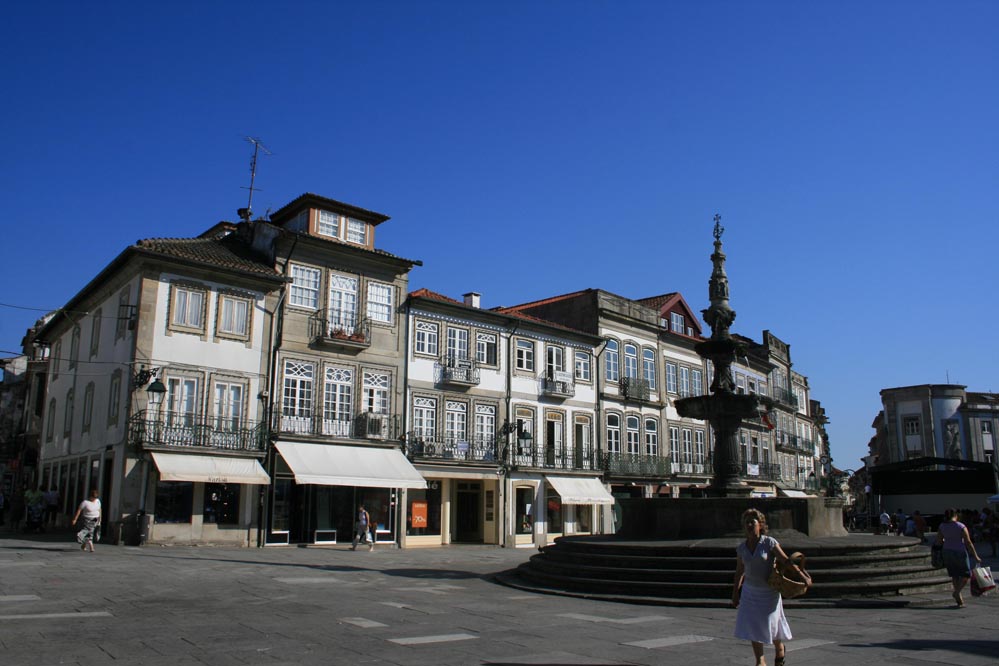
(91, 509)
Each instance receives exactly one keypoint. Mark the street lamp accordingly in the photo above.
(156, 390)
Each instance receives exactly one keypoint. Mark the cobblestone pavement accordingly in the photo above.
(183, 605)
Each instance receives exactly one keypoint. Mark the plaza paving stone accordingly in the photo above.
(188, 605)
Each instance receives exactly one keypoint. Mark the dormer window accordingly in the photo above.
(356, 231)
(329, 224)
(676, 322)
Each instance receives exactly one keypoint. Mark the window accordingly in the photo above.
(426, 338)
(613, 433)
(68, 422)
(56, 358)
(343, 303)
(684, 381)
(298, 385)
(376, 392)
(751, 386)
(671, 377)
(456, 421)
(612, 361)
(88, 406)
(674, 443)
(582, 366)
(338, 401)
(986, 427)
(227, 406)
(485, 348)
(95, 333)
(696, 382)
(630, 361)
(114, 397)
(329, 224)
(699, 452)
(525, 355)
(676, 322)
(173, 501)
(649, 367)
(651, 437)
(911, 424)
(74, 347)
(632, 434)
(221, 504)
(356, 231)
(525, 424)
(424, 417)
(485, 424)
(182, 395)
(555, 360)
(740, 383)
(457, 343)
(304, 287)
(687, 450)
(380, 302)
(234, 316)
(124, 314)
(50, 421)
(187, 307)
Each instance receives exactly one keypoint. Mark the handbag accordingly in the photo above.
(936, 556)
(790, 578)
(982, 579)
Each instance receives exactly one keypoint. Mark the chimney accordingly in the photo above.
(472, 299)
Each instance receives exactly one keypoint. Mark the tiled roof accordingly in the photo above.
(544, 301)
(656, 302)
(227, 252)
(350, 247)
(325, 202)
(433, 295)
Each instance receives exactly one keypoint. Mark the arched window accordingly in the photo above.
(613, 433)
(649, 367)
(651, 437)
(611, 361)
(633, 435)
(630, 361)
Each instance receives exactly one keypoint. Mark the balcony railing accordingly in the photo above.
(638, 464)
(636, 388)
(552, 456)
(459, 371)
(365, 425)
(785, 397)
(442, 447)
(173, 429)
(764, 471)
(558, 384)
(335, 328)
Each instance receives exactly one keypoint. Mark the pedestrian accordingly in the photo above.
(885, 521)
(51, 497)
(91, 510)
(957, 545)
(920, 524)
(899, 522)
(362, 529)
(760, 618)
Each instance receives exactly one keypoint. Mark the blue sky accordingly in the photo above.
(526, 149)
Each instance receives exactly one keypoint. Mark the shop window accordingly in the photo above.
(221, 503)
(173, 501)
(423, 517)
(553, 506)
(525, 510)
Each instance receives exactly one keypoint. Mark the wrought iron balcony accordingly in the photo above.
(637, 464)
(180, 430)
(365, 425)
(763, 471)
(558, 384)
(337, 329)
(441, 447)
(459, 371)
(539, 455)
(692, 467)
(636, 388)
(784, 397)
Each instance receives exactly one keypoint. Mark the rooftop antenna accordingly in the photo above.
(258, 145)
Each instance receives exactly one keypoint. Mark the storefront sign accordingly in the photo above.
(418, 514)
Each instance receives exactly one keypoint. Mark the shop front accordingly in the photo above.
(318, 488)
(572, 503)
(455, 507)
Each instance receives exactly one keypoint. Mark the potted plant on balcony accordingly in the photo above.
(357, 337)
(339, 333)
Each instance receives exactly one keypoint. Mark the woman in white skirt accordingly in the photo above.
(761, 612)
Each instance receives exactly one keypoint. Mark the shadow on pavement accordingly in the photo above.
(975, 647)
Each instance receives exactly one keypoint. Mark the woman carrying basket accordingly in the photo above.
(760, 619)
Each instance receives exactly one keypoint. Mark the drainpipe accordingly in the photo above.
(509, 504)
(597, 384)
(403, 496)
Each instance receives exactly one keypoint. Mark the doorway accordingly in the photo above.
(468, 512)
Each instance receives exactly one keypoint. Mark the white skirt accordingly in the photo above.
(761, 616)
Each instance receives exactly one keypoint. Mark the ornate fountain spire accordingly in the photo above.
(720, 315)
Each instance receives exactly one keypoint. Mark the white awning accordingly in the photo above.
(580, 490)
(793, 493)
(338, 465)
(210, 469)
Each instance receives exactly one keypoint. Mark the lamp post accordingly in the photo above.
(154, 396)
(507, 464)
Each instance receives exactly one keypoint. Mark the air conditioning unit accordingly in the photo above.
(374, 426)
